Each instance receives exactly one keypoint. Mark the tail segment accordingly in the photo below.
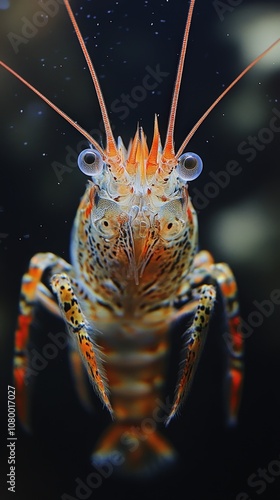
(133, 450)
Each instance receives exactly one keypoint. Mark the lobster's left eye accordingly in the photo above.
(90, 162)
(189, 166)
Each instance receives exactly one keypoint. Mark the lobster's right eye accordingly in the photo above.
(189, 166)
(90, 162)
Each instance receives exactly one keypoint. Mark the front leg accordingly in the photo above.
(220, 275)
(194, 339)
(33, 291)
(233, 336)
(80, 331)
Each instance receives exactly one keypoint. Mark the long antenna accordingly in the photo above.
(168, 150)
(53, 106)
(201, 120)
(111, 145)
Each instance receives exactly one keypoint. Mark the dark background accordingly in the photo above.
(240, 225)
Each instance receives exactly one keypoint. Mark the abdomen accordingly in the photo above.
(135, 365)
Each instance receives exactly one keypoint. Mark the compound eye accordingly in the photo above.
(189, 166)
(90, 162)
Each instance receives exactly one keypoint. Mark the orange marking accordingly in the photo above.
(28, 287)
(190, 215)
(159, 444)
(91, 202)
(21, 402)
(22, 332)
(131, 160)
(90, 357)
(236, 378)
(228, 288)
(236, 333)
(35, 272)
(152, 161)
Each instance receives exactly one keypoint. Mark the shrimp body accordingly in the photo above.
(133, 248)
(135, 271)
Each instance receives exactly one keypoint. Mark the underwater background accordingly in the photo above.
(238, 222)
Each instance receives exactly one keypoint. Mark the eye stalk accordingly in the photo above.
(189, 166)
(90, 162)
